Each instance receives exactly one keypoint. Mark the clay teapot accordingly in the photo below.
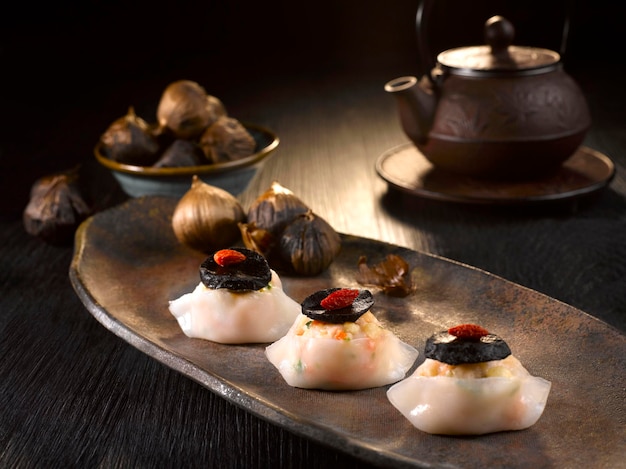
(495, 110)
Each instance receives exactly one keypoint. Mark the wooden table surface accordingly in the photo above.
(74, 395)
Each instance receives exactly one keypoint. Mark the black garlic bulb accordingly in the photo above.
(186, 110)
(130, 140)
(289, 234)
(227, 140)
(309, 244)
(273, 210)
(206, 218)
(56, 208)
(181, 153)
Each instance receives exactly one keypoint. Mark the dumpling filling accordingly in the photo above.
(340, 356)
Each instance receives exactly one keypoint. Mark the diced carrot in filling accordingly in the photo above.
(366, 326)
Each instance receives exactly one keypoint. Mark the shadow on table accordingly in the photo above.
(412, 209)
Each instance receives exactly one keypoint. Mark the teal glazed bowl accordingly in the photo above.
(232, 176)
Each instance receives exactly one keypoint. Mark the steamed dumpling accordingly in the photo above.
(344, 355)
(237, 303)
(470, 398)
(231, 317)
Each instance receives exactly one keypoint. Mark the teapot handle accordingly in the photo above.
(423, 45)
(424, 10)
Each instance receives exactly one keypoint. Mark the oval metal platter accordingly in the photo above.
(127, 266)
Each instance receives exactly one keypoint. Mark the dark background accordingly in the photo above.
(69, 69)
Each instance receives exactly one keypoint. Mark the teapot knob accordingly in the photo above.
(499, 34)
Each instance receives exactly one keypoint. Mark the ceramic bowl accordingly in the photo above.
(232, 176)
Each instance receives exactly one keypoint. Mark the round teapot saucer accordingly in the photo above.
(405, 168)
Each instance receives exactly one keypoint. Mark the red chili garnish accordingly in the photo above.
(468, 331)
(339, 299)
(226, 257)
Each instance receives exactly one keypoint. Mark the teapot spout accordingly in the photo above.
(416, 103)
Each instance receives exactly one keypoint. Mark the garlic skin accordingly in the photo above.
(187, 110)
(392, 275)
(206, 218)
(309, 244)
(129, 140)
(257, 239)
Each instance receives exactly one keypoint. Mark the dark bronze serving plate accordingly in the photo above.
(127, 265)
(406, 169)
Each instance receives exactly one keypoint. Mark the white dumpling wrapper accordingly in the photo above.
(337, 365)
(227, 317)
(471, 406)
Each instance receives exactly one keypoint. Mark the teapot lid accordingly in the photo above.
(498, 55)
